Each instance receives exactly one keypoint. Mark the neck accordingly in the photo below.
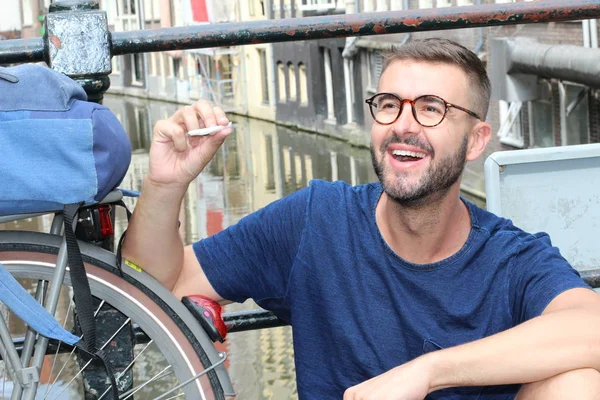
(426, 233)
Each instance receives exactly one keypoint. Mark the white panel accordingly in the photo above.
(554, 190)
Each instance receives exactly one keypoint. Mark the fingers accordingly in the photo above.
(167, 130)
(198, 115)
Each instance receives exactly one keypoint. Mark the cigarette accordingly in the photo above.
(208, 131)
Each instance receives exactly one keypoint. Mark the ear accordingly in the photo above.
(479, 137)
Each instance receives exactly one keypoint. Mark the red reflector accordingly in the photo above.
(106, 226)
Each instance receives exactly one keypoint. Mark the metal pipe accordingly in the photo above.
(329, 26)
(332, 26)
(565, 62)
(251, 320)
(480, 41)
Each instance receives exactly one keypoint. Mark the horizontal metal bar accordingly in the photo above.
(251, 320)
(21, 50)
(361, 24)
(331, 26)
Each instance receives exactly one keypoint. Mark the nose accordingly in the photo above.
(406, 122)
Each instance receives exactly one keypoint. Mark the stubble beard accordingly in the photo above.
(435, 182)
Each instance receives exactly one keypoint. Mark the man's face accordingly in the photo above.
(441, 151)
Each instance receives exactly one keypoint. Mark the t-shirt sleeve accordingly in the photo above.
(253, 258)
(539, 273)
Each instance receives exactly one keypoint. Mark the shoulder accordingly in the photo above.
(503, 233)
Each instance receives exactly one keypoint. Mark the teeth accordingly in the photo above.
(405, 153)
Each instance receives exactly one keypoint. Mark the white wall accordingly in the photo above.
(10, 17)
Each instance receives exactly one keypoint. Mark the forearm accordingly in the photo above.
(153, 241)
(535, 350)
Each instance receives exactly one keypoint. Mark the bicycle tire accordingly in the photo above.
(31, 255)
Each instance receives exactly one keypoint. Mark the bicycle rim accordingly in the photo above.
(172, 357)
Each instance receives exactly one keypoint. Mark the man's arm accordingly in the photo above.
(565, 337)
(152, 241)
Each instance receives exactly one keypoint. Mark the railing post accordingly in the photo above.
(77, 43)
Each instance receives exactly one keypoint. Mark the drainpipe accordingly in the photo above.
(348, 54)
(480, 42)
(593, 33)
(585, 28)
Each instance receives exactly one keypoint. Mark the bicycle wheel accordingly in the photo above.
(172, 355)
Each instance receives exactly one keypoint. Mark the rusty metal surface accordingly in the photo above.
(333, 26)
(78, 42)
(362, 24)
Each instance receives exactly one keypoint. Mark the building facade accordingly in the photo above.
(321, 85)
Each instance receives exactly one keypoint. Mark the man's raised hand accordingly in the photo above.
(177, 158)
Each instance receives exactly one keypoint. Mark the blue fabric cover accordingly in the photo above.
(57, 147)
(20, 302)
(317, 259)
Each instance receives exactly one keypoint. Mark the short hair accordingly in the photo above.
(438, 50)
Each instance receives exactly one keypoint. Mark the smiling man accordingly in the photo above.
(398, 289)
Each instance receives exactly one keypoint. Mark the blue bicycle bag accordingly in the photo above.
(57, 148)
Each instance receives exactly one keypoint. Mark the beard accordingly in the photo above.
(435, 182)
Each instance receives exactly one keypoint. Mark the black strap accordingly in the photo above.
(122, 238)
(83, 295)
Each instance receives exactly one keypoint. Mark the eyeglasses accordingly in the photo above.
(429, 110)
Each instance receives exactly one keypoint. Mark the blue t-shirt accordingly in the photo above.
(317, 259)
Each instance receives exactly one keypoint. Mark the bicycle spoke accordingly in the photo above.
(223, 358)
(127, 368)
(71, 353)
(49, 387)
(160, 375)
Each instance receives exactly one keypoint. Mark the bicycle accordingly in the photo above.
(171, 354)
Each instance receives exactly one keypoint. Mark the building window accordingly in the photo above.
(375, 64)
(292, 79)
(251, 10)
(262, 7)
(281, 82)
(156, 10)
(27, 13)
(574, 114)
(425, 3)
(396, 5)
(176, 67)
(443, 3)
(264, 81)
(137, 69)
(303, 84)
(510, 132)
(464, 2)
(541, 126)
(115, 61)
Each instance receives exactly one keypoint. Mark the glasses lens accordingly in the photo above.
(385, 108)
(430, 110)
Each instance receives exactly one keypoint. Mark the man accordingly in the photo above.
(395, 290)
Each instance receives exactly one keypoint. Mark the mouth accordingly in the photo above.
(408, 156)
